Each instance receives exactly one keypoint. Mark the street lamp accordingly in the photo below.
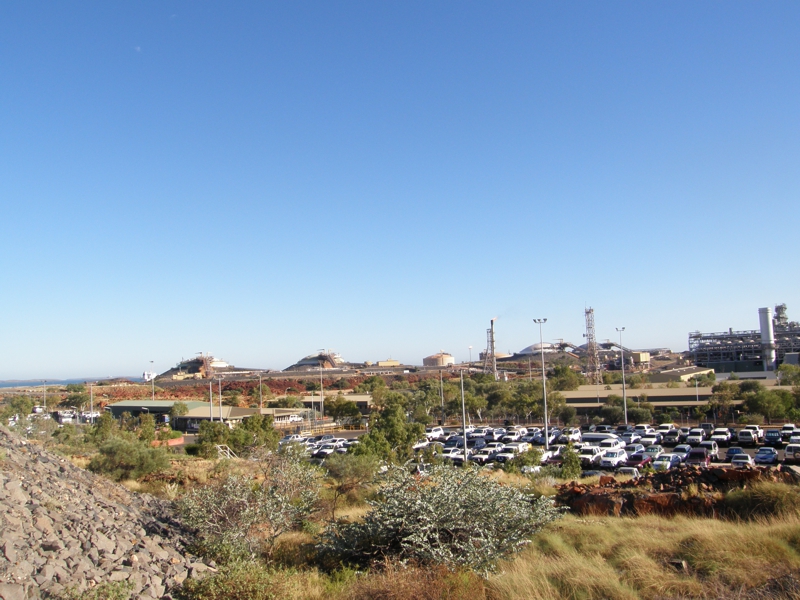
(153, 379)
(622, 361)
(540, 322)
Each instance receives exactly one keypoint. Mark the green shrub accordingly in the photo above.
(765, 499)
(117, 590)
(122, 459)
(452, 517)
(238, 581)
(571, 464)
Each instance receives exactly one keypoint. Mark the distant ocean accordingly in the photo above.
(37, 383)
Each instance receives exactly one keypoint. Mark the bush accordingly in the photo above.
(401, 582)
(121, 459)
(239, 581)
(571, 464)
(452, 517)
(236, 516)
(764, 499)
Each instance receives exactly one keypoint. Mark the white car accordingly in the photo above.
(422, 444)
(613, 458)
(740, 461)
(721, 435)
(434, 432)
(631, 437)
(612, 444)
(696, 436)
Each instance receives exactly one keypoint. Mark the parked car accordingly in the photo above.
(682, 451)
(684, 433)
(696, 436)
(421, 444)
(590, 455)
(788, 430)
(713, 449)
(772, 437)
(740, 461)
(666, 462)
(634, 448)
(434, 432)
(511, 451)
(643, 429)
(673, 437)
(483, 456)
(611, 444)
(698, 457)
(569, 434)
(632, 472)
(791, 455)
(733, 452)
(612, 459)
(766, 456)
(630, 437)
(747, 437)
(721, 435)
(654, 451)
(603, 429)
(511, 436)
(639, 460)
(650, 440)
(759, 433)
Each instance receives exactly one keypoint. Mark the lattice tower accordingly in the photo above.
(489, 359)
(591, 349)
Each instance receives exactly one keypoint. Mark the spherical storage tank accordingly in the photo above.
(441, 359)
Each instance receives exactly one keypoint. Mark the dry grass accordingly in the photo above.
(407, 583)
(628, 559)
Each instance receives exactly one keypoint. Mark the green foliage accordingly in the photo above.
(612, 377)
(567, 414)
(639, 415)
(178, 410)
(16, 405)
(391, 436)
(104, 428)
(147, 428)
(571, 464)
(612, 414)
(349, 472)
(452, 517)
(240, 580)
(121, 459)
(638, 380)
(564, 379)
(236, 517)
(114, 590)
(342, 410)
(529, 458)
(789, 374)
(252, 433)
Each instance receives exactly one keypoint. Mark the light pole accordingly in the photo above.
(219, 393)
(463, 419)
(153, 379)
(622, 361)
(540, 322)
(211, 400)
(260, 395)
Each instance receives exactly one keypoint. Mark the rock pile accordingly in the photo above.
(691, 490)
(63, 527)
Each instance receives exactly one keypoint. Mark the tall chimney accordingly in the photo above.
(767, 338)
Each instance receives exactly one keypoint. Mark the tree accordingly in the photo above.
(254, 432)
(178, 409)
(789, 374)
(349, 472)
(453, 517)
(147, 428)
(391, 436)
(564, 379)
(567, 414)
(122, 459)
(342, 410)
(722, 397)
(571, 463)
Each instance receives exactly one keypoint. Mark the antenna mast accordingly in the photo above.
(591, 349)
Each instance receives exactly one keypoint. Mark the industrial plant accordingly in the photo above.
(776, 341)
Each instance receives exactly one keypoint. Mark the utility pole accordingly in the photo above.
(441, 394)
(210, 401)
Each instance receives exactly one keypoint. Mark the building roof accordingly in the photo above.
(155, 404)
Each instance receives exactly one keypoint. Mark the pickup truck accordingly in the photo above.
(590, 456)
(759, 433)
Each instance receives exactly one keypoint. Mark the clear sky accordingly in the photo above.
(260, 180)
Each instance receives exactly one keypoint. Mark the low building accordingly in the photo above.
(680, 374)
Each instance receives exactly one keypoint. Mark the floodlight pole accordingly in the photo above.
(544, 383)
(463, 418)
(622, 361)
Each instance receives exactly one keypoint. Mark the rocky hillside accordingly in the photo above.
(63, 527)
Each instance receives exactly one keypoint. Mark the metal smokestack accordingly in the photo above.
(767, 338)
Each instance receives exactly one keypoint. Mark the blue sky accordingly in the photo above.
(263, 180)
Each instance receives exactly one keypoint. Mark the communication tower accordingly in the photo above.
(489, 359)
(593, 368)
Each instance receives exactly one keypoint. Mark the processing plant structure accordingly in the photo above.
(764, 349)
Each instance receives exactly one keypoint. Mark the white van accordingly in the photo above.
(594, 439)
